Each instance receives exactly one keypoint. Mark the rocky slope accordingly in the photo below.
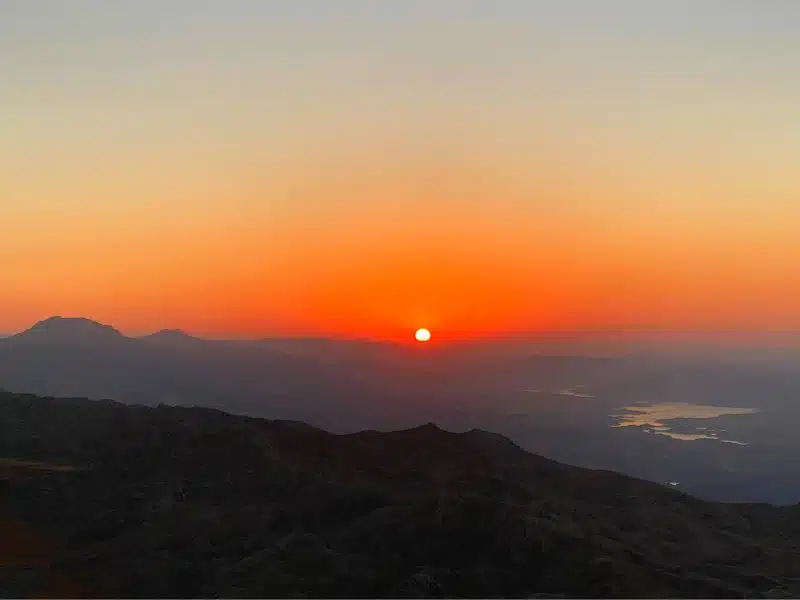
(190, 502)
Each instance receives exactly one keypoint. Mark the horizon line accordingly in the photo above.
(520, 335)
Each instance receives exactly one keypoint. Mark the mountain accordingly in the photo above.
(78, 357)
(171, 336)
(131, 501)
(68, 330)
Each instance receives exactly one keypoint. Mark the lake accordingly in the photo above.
(679, 420)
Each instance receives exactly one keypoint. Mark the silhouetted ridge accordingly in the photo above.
(429, 427)
(69, 329)
(431, 433)
(490, 438)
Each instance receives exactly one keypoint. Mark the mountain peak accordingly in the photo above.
(169, 335)
(429, 427)
(69, 329)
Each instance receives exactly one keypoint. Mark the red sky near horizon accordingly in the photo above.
(238, 172)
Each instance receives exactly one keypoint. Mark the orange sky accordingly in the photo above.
(377, 251)
(239, 172)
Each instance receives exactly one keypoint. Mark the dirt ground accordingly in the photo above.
(26, 554)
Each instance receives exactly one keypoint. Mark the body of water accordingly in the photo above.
(660, 419)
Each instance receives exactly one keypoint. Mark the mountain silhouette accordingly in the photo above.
(68, 330)
(79, 357)
(171, 336)
(338, 384)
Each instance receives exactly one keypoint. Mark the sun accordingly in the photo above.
(422, 335)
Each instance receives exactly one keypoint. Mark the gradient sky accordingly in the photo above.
(240, 167)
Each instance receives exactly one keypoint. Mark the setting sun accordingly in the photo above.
(422, 335)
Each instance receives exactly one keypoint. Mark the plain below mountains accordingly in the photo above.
(131, 501)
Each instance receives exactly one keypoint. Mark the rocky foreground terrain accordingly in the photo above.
(106, 499)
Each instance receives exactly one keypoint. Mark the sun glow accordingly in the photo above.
(422, 335)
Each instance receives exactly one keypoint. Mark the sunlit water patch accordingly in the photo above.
(574, 392)
(655, 419)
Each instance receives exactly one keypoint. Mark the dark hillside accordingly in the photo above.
(190, 502)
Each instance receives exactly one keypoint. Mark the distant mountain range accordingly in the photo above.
(336, 383)
(77, 330)
(123, 501)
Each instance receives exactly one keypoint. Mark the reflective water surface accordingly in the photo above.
(657, 419)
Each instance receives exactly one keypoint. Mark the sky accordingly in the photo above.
(364, 167)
